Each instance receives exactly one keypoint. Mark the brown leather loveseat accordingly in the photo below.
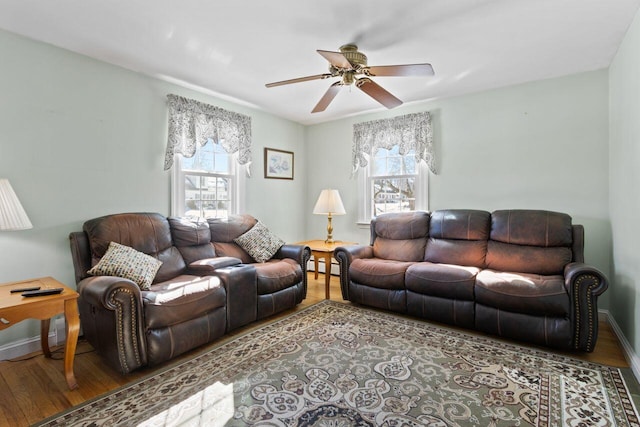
(206, 285)
(515, 273)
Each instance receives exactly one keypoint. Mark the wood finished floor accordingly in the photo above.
(35, 388)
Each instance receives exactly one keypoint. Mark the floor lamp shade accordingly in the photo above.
(12, 214)
(329, 203)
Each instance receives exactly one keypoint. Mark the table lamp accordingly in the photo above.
(12, 214)
(329, 203)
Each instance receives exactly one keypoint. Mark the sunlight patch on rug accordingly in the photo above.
(337, 365)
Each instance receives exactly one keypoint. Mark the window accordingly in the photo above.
(394, 157)
(207, 184)
(392, 182)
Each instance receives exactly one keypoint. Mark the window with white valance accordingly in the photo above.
(408, 132)
(207, 147)
(392, 158)
(193, 124)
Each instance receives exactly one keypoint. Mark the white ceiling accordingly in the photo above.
(231, 48)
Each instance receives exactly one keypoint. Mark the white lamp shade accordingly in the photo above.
(329, 202)
(12, 214)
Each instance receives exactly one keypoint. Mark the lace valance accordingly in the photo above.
(411, 131)
(192, 122)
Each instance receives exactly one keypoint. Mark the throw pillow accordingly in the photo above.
(259, 242)
(123, 261)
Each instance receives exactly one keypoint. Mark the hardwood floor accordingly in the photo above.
(34, 387)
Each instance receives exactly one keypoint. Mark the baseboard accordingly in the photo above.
(627, 349)
(335, 268)
(22, 347)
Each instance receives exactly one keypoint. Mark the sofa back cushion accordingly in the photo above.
(192, 237)
(224, 230)
(530, 241)
(148, 233)
(458, 236)
(400, 236)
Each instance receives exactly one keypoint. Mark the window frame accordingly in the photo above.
(236, 177)
(365, 190)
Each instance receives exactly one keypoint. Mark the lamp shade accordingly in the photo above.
(329, 202)
(12, 214)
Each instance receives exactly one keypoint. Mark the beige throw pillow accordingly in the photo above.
(259, 242)
(124, 261)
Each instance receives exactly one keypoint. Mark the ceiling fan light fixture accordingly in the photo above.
(356, 59)
(348, 78)
(350, 63)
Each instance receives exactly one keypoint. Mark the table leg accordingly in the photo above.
(73, 329)
(315, 265)
(44, 337)
(327, 276)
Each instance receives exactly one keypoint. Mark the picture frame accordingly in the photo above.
(278, 164)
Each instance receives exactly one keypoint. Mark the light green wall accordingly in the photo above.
(540, 145)
(80, 138)
(624, 159)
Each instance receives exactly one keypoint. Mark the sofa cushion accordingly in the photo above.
(379, 273)
(442, 280)
(189, 231)
(259, 242)
(182, 298)
(532, 228)
(527, 259)
(410, 250)
(148, 233)
(227, 229)
(275, 275)
(459, 252)
(523, 293)
(401, 225)
(460, 224)
(458, 236)
(232, 250)
(192, 238)
(530, 241)
(224, 230)
(400, 236)
(126, 262)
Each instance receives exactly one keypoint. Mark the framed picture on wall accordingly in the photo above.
(278, 164)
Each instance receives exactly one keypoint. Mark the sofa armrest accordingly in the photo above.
(584, 284)
(208, 266)
(345, 256)
(295, 252)
(113, 321)
(301, 254)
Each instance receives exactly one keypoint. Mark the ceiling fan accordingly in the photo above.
(351, 66)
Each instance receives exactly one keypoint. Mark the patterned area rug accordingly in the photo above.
(339, 365)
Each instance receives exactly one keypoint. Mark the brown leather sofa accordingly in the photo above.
(514, 273)
(199, 292)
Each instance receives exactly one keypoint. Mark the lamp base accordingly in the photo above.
(329, 230)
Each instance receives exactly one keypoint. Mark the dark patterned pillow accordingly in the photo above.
(123, 261)
(259, 242)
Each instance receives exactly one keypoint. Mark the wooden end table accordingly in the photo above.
(15, 308)
(321, 249)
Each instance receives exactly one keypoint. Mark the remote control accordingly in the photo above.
(41, 292)
(35, 288)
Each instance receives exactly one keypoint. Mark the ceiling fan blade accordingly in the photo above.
(377, 92)
(401, 70)
(327, 97)
(299, 79)
(337, 59)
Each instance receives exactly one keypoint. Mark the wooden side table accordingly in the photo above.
(15, 308)
(321, 249)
